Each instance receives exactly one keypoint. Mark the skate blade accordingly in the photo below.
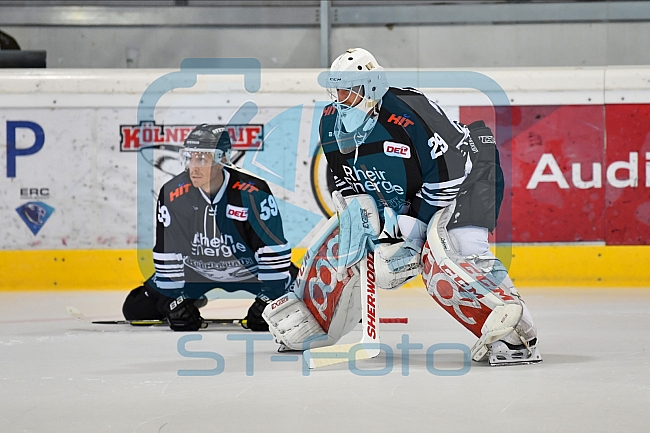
(515, 362)
(285, 349)
(503, 359)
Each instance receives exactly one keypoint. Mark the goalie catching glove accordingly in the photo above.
(398, 256)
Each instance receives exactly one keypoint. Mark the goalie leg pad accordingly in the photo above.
(501, 322)
(322, 307)
(291, 322)
(461, 287)
(519, 346)
(294, 325)
(472, 243)
(476, 291)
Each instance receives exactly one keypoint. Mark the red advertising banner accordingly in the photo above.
(579, 172)
(627, 195)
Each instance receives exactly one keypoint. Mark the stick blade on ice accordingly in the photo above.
(76, 313)
(337, 354)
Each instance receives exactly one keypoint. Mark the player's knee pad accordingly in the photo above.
(140, 304)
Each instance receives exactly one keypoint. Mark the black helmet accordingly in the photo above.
(207, 139)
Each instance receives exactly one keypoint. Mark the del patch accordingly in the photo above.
(396, 149)
(237, 213)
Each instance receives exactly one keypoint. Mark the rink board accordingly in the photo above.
(69, 206)
(536, 266)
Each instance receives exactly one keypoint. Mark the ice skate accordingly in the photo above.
(501, 353)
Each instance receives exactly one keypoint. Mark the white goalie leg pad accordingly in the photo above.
(293, 324)
(472, 242)
(514, 347)
(347, 312)
(493, 307)
(518, 347)
(525, 330)
(501, 322)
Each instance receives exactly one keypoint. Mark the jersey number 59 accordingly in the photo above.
(164, 216)
(266, 210)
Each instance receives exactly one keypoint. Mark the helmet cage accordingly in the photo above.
(372, 87)
(357, 115)
(187, 158)
(206, 140)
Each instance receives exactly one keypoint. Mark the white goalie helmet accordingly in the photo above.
(356, 84)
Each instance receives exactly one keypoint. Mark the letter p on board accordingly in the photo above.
(13, 151)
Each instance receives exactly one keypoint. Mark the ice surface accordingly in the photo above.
(61, 375)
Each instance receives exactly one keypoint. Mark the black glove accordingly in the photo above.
(253, 319)
(181, 313)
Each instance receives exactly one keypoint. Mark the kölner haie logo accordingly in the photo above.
(135, 137)
(35, 214)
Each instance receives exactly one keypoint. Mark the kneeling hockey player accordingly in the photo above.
(217, 227)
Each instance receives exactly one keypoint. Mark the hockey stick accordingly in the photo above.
(77, 314)
(368, 347)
